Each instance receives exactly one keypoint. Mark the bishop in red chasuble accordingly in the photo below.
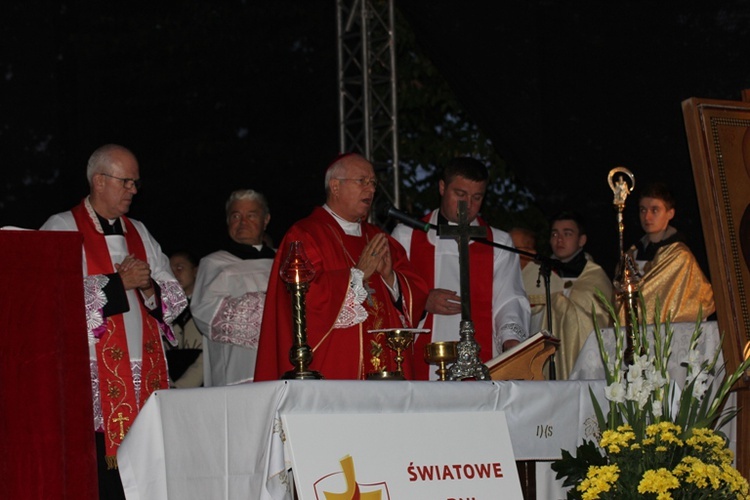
(363, 281)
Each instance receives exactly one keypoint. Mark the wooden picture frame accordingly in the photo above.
(719, 141)
(718, 134)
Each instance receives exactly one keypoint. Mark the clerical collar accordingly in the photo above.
(246, 252)
(442, 220)
(110, 226)
(350, 228)
(573, 267)
(103, 225)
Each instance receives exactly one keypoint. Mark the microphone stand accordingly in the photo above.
(545, 271)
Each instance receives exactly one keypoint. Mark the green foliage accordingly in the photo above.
(575, 468)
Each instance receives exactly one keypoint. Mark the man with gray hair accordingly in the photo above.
(363, 284)
(230, 292)
(131, 297)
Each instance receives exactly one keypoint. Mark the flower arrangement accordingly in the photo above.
(657, 440)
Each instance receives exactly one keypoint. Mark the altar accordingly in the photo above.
(228, 443)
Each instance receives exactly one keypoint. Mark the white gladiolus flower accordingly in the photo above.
(701, 385)
(659, 381)
(640, 363)
(655, 379)
(656, 410)
(639, 392)
(615, 392)
(633, 374)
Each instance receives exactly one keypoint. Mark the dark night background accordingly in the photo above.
(215, 96)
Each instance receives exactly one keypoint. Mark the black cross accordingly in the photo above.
(462, 233)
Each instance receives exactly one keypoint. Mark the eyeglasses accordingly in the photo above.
(361, 182)
(126, 182)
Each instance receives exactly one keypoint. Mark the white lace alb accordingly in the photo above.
(353, 312)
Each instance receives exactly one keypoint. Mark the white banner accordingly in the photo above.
(395, 456)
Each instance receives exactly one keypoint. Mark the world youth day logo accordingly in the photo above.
(326, 486)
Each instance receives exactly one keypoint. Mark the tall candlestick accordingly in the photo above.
(297, 272)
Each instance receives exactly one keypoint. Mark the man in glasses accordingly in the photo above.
(131, 297)
(500, 308)
(363, 281)
(572, 307)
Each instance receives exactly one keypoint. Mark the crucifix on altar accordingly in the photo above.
(468, 364)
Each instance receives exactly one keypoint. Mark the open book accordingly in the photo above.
(526, 360)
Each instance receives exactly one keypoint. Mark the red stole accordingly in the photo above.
(118, 400)
(481, 272)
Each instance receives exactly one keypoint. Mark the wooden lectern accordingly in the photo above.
(526, 360)
(47, 427)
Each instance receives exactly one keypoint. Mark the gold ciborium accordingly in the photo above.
(399, 340)
(441, 354)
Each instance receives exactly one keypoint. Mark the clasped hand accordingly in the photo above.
(376, 258)
(134, 273)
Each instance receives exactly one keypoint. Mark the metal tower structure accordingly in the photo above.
(367, 91)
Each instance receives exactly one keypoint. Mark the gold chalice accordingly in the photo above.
(397, 339)
(441, 354)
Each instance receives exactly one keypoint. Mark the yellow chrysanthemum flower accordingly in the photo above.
(658, 481)
(699, 473)
(599, 479)
(705, 438)
(614, 441)
(735, 481)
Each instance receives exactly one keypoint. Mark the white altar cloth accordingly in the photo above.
(226, 442)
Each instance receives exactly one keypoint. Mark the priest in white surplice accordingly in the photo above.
(499, 306)
(130, 297)
(230, 292)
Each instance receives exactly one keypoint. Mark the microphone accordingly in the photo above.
(409, 220)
